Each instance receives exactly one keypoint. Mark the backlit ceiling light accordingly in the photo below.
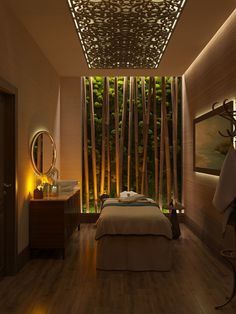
(125, 33)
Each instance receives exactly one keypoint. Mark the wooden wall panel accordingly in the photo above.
(211, 78)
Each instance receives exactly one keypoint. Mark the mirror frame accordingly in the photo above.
(35, 137)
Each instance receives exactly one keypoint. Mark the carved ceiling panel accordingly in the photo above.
(125, 33)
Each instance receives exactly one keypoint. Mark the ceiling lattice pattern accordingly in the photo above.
(125, 33)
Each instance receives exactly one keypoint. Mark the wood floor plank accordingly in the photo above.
(197, 283)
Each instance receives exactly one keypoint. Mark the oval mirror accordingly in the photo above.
(43, 153)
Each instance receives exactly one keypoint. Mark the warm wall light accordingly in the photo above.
(30, 182)
(38, 309)
(124, 34)
(207, 175)
(44, 179)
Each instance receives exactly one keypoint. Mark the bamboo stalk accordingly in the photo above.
(103, 154)
(130, 134)
(143, 99)
(144, 187)
(123, 128)
(91, 107)
(174, 97)
(144, 119)
(167, 152)
(155, 139)
(117, 139)
(143, 178)
(162, 143)
(108, 140)
(85, 144)
(136, 134)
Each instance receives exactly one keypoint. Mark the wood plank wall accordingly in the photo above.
(211, 78)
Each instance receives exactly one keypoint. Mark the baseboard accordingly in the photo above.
(23, 258)
(89, 217)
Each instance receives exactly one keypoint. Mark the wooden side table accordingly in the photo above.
(52, 220)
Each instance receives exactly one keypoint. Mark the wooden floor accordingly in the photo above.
(196, 284)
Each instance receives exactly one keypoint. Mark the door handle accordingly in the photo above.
(7, 185)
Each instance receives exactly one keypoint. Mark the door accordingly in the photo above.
(7, 184)
(2, 210)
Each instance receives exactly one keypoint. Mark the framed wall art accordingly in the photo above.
(210, 148)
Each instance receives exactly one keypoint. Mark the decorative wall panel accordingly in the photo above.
(125, 33)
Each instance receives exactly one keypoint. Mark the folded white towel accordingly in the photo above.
(133, 198)
(127, 193)
(67, 183)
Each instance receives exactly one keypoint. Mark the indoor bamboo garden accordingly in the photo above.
(131, 138)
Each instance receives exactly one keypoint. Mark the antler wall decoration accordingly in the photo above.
(228, 114)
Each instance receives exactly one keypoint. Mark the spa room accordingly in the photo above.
(118, 159)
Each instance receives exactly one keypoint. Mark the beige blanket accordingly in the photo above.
(132, 220)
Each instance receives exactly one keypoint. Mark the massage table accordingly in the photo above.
(133, 236)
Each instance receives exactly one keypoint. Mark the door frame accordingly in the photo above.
(11, 240)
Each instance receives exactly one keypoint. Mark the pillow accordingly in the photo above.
(127, 193)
